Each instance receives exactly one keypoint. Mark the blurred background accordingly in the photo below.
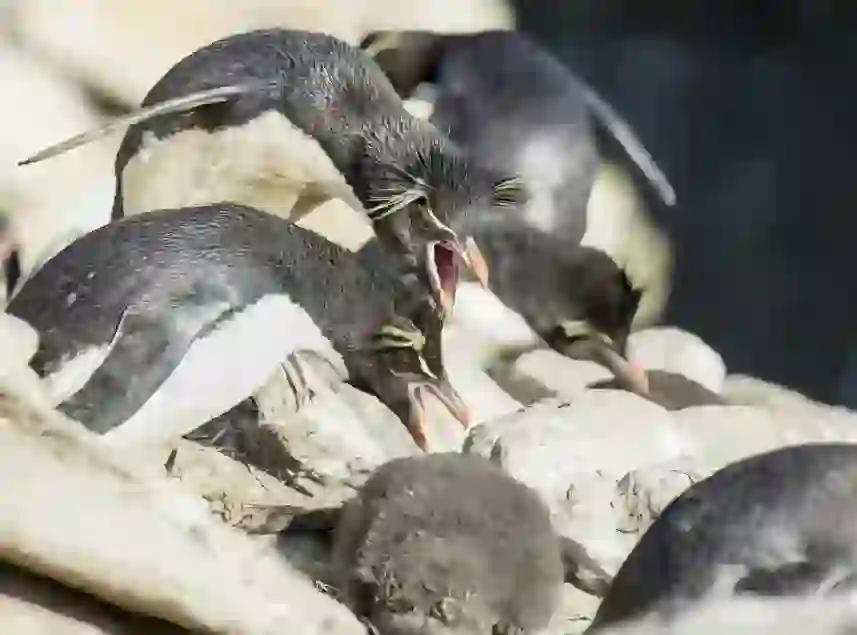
(746, 105)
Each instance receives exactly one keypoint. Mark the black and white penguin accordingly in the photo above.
(775, 524)
(577, 300)
(449, 543)
(673, 391)
(155, 324)
(285, 120)
(512, 106)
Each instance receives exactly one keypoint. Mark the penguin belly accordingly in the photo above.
(158, 380)
(267, 163)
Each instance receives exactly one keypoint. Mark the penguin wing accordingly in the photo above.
(611, 122)
(170, 106)
(147, 347)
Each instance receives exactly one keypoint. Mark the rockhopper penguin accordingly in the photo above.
(449, 544)
(576, 299)
(513, 107)
(285, 120)
(153, 325)
(782, 523)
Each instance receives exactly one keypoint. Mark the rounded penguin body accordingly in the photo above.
(175, 316)
(514, 107)
(448, 543)
(780, 523)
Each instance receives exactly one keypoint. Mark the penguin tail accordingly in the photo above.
(622, 132)
(170, 106)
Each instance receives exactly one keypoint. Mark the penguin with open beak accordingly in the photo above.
(153, 325)
(514, 107)
(285, 120)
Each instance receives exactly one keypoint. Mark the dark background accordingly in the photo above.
(749, 108)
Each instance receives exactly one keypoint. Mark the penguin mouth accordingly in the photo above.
(443, 271)
(445, 261)
(445, 393)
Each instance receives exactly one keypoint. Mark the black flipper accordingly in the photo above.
(612, 126)
(792, 578)
(151, 343)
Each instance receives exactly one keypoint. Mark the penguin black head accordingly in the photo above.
(600, 332)
(392, 365)
(421, 193)
(576, 298)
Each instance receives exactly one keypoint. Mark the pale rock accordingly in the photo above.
(674, 350)
(647, 490)
(550, 442)
(122, 49)
(574, 454)
(341, 433)
(94, 519)
(560, 375)
(50, 203)
(575, 612)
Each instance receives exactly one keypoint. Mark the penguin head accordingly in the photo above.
(601, 304)
(421, 192)
(391, 364)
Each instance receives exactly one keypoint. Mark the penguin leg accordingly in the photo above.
(147, 347)
(582, 570)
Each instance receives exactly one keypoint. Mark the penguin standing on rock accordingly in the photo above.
(576, 299)
(782, 523)
(285, 120)
(153, 325)
(513, 107)
(448, 544)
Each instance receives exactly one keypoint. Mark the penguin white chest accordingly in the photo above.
(267, 163)
(221, 368)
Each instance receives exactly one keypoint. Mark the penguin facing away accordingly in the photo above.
(284, 120)
(782, 523)
(153, 325)
(512, 106)
(449, 543)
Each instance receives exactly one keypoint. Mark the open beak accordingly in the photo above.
(446, 394)
(445, 260)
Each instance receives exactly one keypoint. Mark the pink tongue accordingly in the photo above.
(444, 261)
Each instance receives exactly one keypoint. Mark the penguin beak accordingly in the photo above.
(631, 375)
(445, 260)
(579, 340)
(445, 393)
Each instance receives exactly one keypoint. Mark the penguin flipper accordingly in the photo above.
(582, 570)
(620, 130)
(170, 106)
(146, 348)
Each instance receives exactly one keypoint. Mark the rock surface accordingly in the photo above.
(606, 462)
